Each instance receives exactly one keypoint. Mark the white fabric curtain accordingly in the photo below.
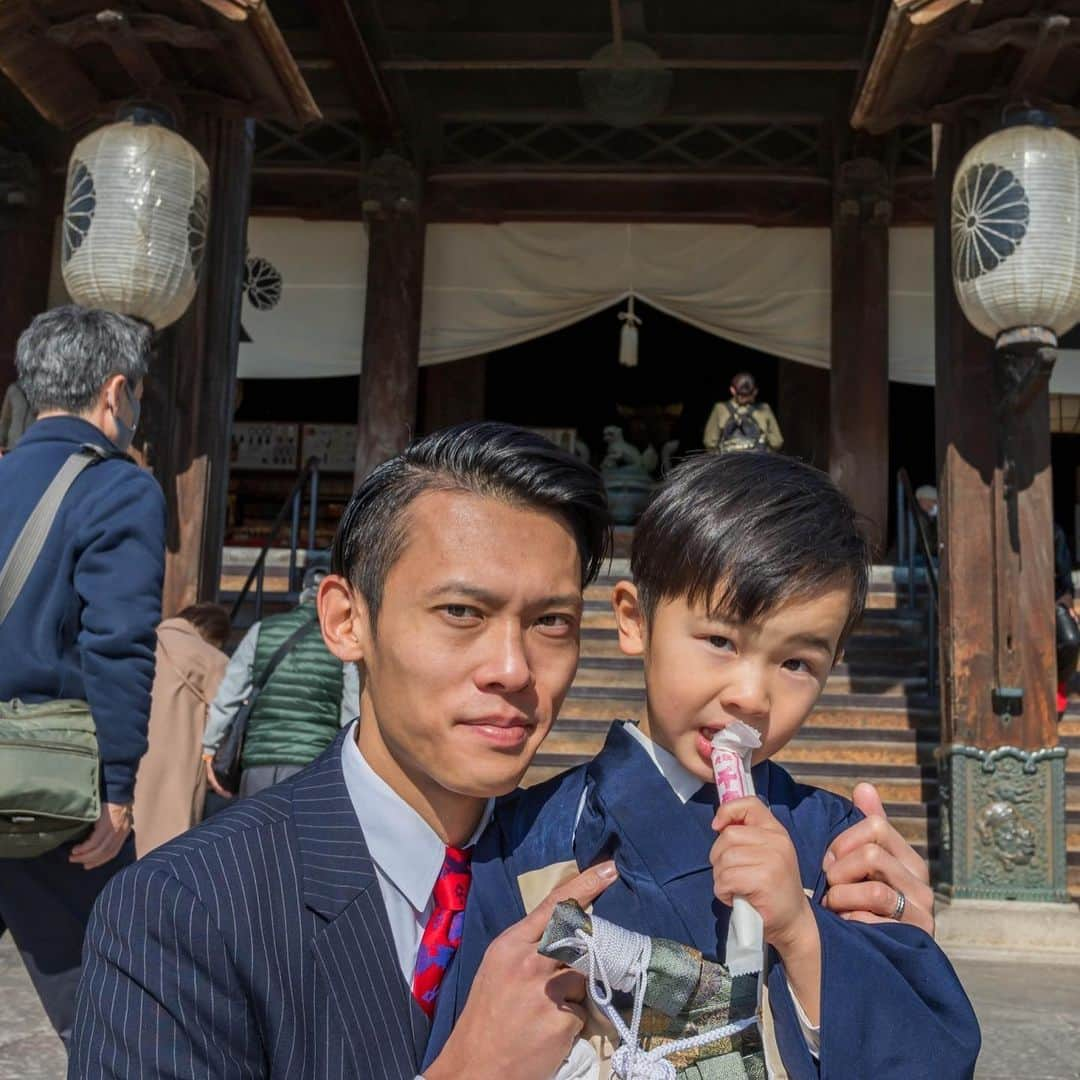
(487, 287)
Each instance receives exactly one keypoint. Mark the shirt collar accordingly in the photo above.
(401, 844)
(683, 782)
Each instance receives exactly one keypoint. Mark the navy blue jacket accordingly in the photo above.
(892, 1007)
(83, 626)
(254, 946)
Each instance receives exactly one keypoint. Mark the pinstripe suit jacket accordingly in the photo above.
(256, 945)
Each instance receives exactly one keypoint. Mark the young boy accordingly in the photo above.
(750, 572)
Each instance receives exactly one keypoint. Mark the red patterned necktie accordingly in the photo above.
(442, 935)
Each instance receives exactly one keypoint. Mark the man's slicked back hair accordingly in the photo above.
(494, 460)
(746, 532)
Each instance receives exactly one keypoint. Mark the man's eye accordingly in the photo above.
(461, 611)
(555, 620)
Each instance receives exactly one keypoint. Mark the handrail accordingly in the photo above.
(292, 503)
(911, 518)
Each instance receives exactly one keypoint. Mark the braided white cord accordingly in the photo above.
(614, 958)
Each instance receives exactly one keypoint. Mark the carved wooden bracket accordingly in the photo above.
(864, 192)
(390, 185)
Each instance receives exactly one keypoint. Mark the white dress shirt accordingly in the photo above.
(406, 851)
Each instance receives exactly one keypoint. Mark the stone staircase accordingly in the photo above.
(874, 722)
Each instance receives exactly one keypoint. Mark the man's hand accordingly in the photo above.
(106, 839)
(754, 858)
(524, 1010)
(869, 863)
(211, 779)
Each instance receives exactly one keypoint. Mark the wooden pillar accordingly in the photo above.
(453, 393)
(859, 379)
(194, 375)
(803, 411)
(386, 417)
(26, 247)
(1003, 831)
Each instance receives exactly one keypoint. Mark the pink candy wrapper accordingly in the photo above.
(732, 750)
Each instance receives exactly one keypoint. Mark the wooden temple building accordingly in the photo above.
(436, 130)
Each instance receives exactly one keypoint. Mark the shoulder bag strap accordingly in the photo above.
(279, 654)
(31, 539)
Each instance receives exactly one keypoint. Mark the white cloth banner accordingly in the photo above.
(487, 287)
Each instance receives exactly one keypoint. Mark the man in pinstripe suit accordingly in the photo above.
(304, 932)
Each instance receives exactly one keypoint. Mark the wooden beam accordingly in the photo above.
(149, 28)
(26, 247)
(803, 411)
(452, 393)
(196, 374)
(765, 198)
(859, 370)
(345, 44)
(388, 379)
(457, 51)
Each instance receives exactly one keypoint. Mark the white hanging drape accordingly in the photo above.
(487, 287)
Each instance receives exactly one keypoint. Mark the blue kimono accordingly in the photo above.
(891, 1004)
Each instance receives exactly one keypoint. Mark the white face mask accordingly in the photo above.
(125, 433)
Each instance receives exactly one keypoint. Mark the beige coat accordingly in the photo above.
(171, 781)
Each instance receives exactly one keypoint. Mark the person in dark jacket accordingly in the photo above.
(83, 625)
(309, 696)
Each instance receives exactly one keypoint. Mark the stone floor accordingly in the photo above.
(1030, 1017)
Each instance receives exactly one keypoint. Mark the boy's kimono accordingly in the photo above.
(891, 1004)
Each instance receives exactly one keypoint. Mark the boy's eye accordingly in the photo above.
(798, 665)
(717, 641)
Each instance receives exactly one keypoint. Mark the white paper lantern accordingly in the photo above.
(135, 220)
(1016, 230)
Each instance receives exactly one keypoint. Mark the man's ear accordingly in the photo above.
(629, 618)
(343, 616)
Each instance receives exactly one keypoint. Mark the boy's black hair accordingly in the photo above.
(745, 532)
(491, 459)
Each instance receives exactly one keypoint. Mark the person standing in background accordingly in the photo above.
(82, 626)
(309, 695)
(16, 416)
(742, 423)
(171, 783)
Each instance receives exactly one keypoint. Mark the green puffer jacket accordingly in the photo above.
(299, 710)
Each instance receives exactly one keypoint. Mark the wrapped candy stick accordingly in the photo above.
(732, 750)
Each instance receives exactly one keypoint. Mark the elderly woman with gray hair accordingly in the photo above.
(79, 624)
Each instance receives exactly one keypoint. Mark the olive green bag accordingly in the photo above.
(49, 760)
(49, 772)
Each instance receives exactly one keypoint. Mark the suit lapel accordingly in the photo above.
(354, 948)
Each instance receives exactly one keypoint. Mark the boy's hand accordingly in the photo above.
(754, 858)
